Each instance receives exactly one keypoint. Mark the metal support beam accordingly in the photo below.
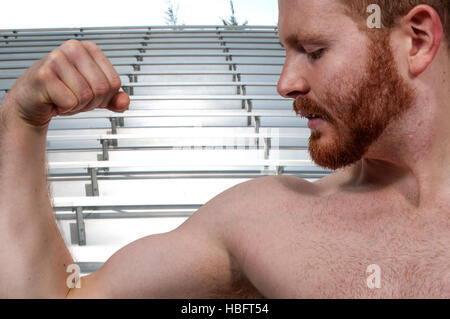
(249, 105)
(279, 170)
(267, 145)
(80, 226)
(249, 109)
(257, 125)
(105, 146)
(128, 90)
(133, 78)
(232, 67)
(92, 189)
(113, 121)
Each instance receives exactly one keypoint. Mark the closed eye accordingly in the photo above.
(316, 55)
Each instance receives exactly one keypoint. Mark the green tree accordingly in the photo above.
(233, 20)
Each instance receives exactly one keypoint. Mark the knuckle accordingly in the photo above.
(91, 45)
(71, 46)
(116, 83)
(86, 96)
(102, 88)
(44, 74)
(71, 102)
(54, 56)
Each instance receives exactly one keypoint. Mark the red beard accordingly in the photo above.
(362, 113)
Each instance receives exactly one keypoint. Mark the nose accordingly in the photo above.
(292, 82)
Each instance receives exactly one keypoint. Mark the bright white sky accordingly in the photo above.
(25, 14)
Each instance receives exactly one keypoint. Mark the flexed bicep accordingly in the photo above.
(185, 263)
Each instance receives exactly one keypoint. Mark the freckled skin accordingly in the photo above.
(317, 240)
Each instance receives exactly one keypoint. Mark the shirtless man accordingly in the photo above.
(382, 97)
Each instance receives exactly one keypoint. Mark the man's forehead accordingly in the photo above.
(307, 10)
(309, 21)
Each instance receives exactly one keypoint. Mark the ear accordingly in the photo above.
(424, 27)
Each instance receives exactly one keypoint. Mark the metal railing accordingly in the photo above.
(143, 43)
(138, 29)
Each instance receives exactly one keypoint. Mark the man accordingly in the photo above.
(378, 103)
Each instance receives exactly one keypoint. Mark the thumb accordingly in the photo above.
(119, 102)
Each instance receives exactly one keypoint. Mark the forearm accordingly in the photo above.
(33, 255)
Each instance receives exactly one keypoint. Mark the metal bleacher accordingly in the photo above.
(204, 116)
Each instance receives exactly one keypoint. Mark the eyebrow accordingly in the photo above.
(298, 41)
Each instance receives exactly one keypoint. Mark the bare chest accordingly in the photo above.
(328, 255)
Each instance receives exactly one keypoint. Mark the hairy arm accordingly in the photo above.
(33, 255)
(75, 77)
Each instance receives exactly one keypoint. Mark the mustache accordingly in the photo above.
(306, 105)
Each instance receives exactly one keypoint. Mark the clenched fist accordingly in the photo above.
(76, 77)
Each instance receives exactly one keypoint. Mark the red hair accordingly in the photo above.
(393, 10)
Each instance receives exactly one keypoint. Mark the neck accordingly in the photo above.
(413, 153)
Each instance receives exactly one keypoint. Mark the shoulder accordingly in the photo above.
(268, 195)
(261, 190)
(255, 203)
(235, 218)
(271, 185)
(257, 198)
